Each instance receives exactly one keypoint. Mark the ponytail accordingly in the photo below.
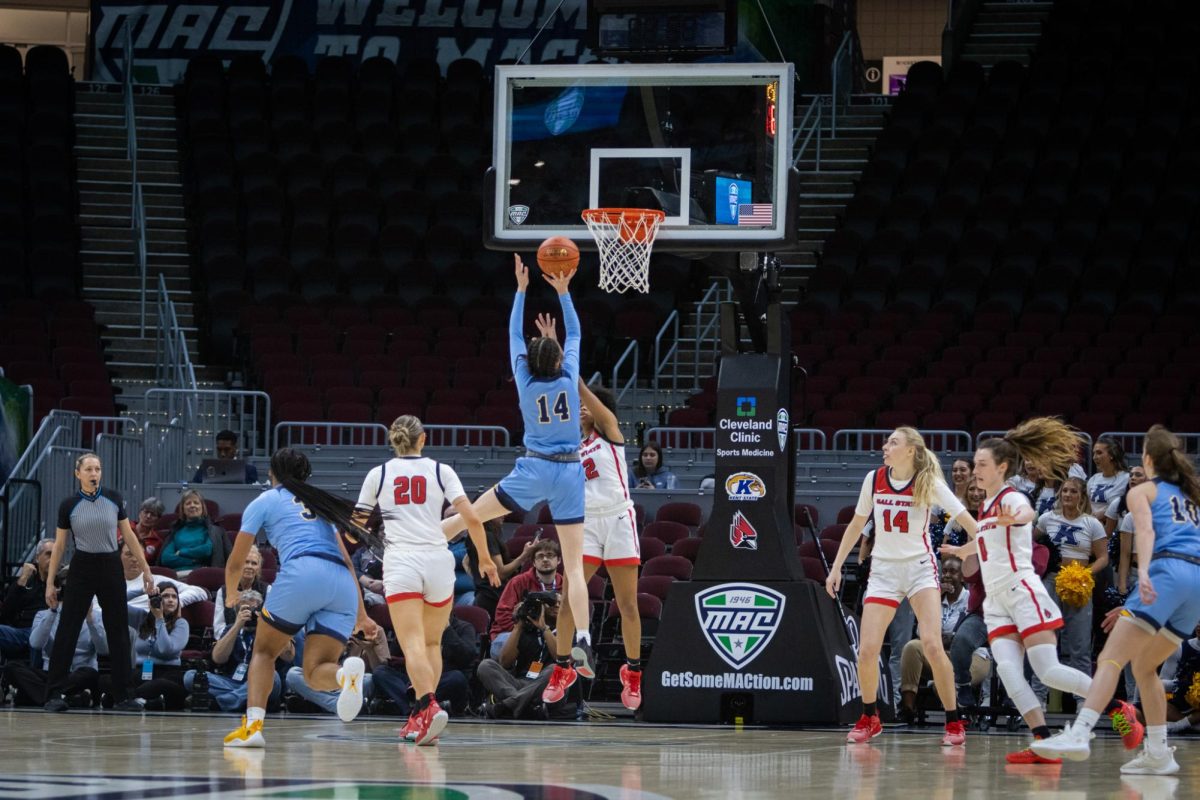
(927, 472)
(1047, 442)
(1115, 452)
(1170, 462)
(292, 469)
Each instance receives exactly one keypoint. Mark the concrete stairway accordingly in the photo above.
(1005, 31)
(111, 279)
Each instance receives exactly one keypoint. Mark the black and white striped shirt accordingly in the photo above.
(92, 520)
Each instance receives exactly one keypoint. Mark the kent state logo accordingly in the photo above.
(741, 486)
(747, 406)
(739, 620)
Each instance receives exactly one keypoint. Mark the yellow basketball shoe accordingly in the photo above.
(248, 735)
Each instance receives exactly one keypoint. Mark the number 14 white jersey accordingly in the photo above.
(409, 492)
(901, 526)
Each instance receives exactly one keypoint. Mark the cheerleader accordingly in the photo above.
(1020, 616)
(898, 497)
(1109, 483)
(1155, 621)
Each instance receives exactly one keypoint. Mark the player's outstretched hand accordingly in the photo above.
(487, 568)
(951, 550)
(368, 627)
(1146, 588)
(833, 583)
(522, 273)
(547, 326)
(1110, 619)
(560, 282)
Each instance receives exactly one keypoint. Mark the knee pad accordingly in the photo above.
(1044, 660)
(1010, 666)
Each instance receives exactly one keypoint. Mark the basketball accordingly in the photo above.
(557, 255)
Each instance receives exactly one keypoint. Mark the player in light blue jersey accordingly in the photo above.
(315, 591)
(547, 378)
(1165, 610)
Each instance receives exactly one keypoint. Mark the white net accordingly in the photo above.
(625, 237)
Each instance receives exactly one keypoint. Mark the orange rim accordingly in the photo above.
(615, 215)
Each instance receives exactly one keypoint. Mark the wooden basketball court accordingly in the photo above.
(111, 756)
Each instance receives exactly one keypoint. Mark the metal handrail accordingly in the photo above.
(799, 147)
(127, 90)
(41, 439)
(620, 390)
(174, 362)
(660, 361)
(939, 441)
(839, 78)
(711, 295)
(139, 242)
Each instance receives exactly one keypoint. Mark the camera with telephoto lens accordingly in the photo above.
(532, 604)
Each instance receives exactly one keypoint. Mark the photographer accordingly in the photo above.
(160, 636)
(543, 577)
(26, 596)
(516, 679)
(231, 655)
(80, 683)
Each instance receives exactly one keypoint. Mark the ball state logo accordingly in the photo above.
(742, 486)
(742, 534)
(739, 620)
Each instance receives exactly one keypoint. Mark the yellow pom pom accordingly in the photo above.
(1193, 692)
(1074, 585)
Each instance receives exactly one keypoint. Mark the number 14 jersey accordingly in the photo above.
(901, 526)
(409, 491)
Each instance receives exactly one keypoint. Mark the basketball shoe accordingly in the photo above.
(409, 731)
(561, 679)
(1073, 742)
(1027, 756)
(430, 721)
(1125, 722)
(631, 687)
(350, 679)
(585, 660)
(1148, 764)
(248, 735)
(865, 729)
(956, 734)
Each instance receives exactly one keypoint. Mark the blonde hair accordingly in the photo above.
(1082, 511)
(79, 461)
(404, 433)
(927, 472)
(1048, 442)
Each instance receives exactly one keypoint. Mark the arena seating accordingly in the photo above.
(315, 197)
(49, 339)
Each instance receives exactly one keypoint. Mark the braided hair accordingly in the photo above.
(544, 357)
(292, 469)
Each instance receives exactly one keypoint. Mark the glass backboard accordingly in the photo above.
(707, 144)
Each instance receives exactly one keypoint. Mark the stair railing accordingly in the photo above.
(841, 80)
(173, 362)
(137, 206)
(708, 337)
(630, 355)
(666, 365)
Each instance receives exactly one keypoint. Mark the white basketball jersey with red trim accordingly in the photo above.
(1005, 552)
(410, 492)
(606, 490)
(901, 526)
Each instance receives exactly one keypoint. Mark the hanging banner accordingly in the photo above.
(14, 425)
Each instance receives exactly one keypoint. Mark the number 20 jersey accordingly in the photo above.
(901, 525)
(409, 492)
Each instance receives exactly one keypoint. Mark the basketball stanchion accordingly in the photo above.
(625, 238)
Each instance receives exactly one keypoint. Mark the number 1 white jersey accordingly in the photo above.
(606, 486)
(901, 526)
(409, 492)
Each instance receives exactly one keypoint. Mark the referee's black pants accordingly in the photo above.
(98, 575)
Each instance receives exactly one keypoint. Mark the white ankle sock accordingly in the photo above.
(255, 715)
(585, 636)
(1086, 720)
(1156, 739)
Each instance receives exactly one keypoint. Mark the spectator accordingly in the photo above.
(914, 666)
(149, 513)
(227, 450)
(251, 579)
(970, 638)
(460, 654)
(1178, 673)
(1041, 491)
(1127, 543)
(80, 684)
(960, 478)
(649, 471)
(464, 584)
(516, 677)
(135, 592)
(194, 540)
(373, 652)
(954, 532)
(161, 635)
(369, 569)
(231, 655)
(26, 596)
(544, 577)
(939, 518)
(1079, 539)
(1111, 480)
(486, 595)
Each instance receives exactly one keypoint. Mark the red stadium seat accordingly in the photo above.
(666, 531)
(684, 548)
(676, 566)
(688, 514)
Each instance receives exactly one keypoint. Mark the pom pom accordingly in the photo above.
(1193, 692)
(1113, 597)
(1074, 585)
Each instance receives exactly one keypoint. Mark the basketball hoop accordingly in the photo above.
(625, 237)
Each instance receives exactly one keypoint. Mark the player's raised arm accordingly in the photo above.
(561, 283)
(516, 321)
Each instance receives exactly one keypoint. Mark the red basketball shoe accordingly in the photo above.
(865, 729)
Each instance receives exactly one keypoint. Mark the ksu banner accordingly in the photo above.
(167, 33)
(14, 425)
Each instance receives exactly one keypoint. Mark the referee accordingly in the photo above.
(92, 516)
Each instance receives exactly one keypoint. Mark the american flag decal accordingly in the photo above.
(756, 214)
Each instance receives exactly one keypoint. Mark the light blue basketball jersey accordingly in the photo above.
(291, 528)
(1176, 521)
(549, 407)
